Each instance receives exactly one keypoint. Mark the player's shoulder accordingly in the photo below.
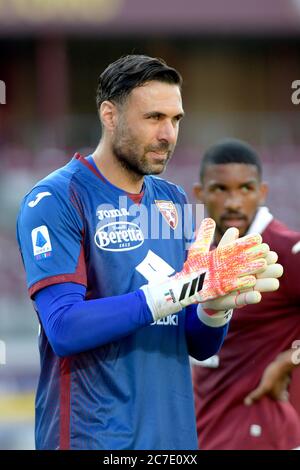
(167, 188)
(281, 238)
(49, 197)
(57, 183)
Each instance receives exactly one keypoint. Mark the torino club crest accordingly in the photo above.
(169, 212)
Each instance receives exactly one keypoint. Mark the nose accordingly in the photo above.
(167, 132)
(233, 201)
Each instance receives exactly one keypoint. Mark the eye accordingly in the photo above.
(246, 189)
(154, 117)
(218, 189)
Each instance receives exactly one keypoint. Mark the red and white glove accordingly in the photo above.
(208, 275)
(219, 311)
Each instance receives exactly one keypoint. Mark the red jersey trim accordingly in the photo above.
(79, 277)
(136, 198)
(65, 403)
(89, 166)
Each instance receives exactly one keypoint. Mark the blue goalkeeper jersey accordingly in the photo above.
(133, 393)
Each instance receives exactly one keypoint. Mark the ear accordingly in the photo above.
(264, 190)
(108, 115)
(198, 191)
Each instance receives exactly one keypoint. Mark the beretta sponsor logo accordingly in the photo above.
(119, 236)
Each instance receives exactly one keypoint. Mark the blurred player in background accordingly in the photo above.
(242, 395)
(114, 353)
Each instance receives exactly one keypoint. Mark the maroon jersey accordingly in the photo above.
(257, 334)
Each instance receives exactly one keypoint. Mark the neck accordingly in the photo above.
(114, 172)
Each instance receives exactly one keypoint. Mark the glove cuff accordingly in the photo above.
(214, 318)
(160, 300)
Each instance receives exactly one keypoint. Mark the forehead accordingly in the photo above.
(230, 173)
(157, 96)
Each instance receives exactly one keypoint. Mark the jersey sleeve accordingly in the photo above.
(74, 325)
(50, 237)
(203, 341)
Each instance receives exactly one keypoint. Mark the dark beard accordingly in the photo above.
(131, 164)
(137, 165)
(132, 156)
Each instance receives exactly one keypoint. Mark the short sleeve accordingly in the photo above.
(50, 238)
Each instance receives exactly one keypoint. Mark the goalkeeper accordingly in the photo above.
(118, 309)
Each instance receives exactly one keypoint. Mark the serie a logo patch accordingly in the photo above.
(41, 242)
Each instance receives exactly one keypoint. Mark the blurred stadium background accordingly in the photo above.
(238, 59)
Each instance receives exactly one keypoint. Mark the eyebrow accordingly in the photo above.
(253, 181)
(159, 113)
(244, 183)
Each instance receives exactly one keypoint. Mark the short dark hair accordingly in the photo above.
(230, 151)
(131, 71)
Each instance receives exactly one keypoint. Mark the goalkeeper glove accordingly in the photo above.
(217, 312)
(206, 275)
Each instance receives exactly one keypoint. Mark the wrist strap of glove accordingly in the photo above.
(161, 300)
(214, 318)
